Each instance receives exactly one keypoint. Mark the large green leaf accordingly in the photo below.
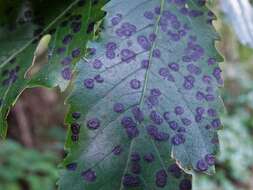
(149, 87)
(70, 29)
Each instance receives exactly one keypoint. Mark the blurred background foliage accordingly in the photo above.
(29, 159)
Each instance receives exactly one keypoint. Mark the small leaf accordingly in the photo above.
(149, 87)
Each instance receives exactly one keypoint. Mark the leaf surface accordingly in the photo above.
(150, 87)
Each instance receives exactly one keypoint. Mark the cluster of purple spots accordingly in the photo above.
(110, 50)
(203, 164)
(199, 114)
(193, 69)
(135, 84)
(185, 184)
(138, 114)
(217, 75)
(117, 150)
(66, 73)
(202, 96)
(144, 42)
(178, 139)
(161, 178)
(131, 180)
(149, 157)
(156, 117)
(116, 19)
(164, 72)
(75, 129)
(157, 135)
(135, 163)
(193, 51)
(126, 30)
(71, 166)
(127, 55)
(89, 175)
(93, 123)
(11, 74)
(130, 127)
(152, 99)
(175, 170)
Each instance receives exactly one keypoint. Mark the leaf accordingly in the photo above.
(149, 87)
(240, 14)
(69, 37)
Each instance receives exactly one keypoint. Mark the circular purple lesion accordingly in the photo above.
(97, 64)
(149, 157)
(161, 178)
(66, 73)
(131, 181)
(210, 159)
(202, 165)
(89, 175)
(175, 170)
(118, 108)
(76, 52)
(89, 83)
(178, 139)
(185, 184)
(93, 123)
(76, 115)
(99, 79)
(71, 166)
(135, 84)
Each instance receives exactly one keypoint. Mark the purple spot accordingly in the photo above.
(155, 92)
(66, 61)
(111, 46)
(131, 181)
(60, 50)
(76, 52)
(67, 39)
(66, 73)
(185, 184)
(166, 115)
(116, 20)
(88, 83)
(186, 121)
(93, 123)
(127, 55)
(126, 30)
(157, 10)
(200, 96)
(76, 115)
(202, 165)
(97, 64)
(135, 157)
(74, 138)
(198, 118)
(71, 166)
(89, 175)
(135, 168)
(143, 42)
(138, 115)
(209, 97)
(179, 110)
(211, 112)
(128, 122)
(99, 79)
(207, 79)
(200, 110)
(216, 123)
(149, 15)
(210, 159)
(193, 69)
(110, 54)
(175, 170)
(75, 128)
(173, 125)
(173, 66)
(156, 118)
(117, 150)
(156, 135)
(178, 139)
(152, 37)
(211, 61)
(149, 157)
(144, 64)
(118, 107)
(161, 178)
(188, 85)
(135, 84)
(156, 53)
